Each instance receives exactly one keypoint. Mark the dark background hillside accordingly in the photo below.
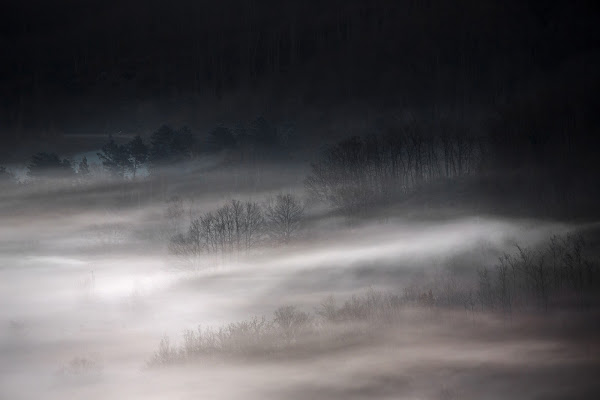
(331, 67)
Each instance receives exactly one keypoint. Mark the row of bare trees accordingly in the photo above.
(378, 168)
(238, 227)
(560, 273)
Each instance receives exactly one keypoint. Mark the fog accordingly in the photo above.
(89, 289)
(348, 199)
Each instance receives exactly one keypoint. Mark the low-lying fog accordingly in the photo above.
(87, 294)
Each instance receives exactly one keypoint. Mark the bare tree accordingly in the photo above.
(235, 227)
(357, 172)
(252, 225)
(284, 216)
(504, 283)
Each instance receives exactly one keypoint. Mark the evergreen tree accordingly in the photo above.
(83, 169)
(115, 158)
(168, 145)
(221, 138)
(138, 153)
(43, 165)
(6, 177)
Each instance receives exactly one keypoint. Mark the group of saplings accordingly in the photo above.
(290, 331)
(239, 226)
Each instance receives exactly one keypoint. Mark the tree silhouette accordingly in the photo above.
(221, 138)
(115, 158)
(46, 165)
(83, 168)
(235, 227)
(6, 177)
(264, 133)
(284, 217)
(168, 145)
(357, 172)
(138, 153)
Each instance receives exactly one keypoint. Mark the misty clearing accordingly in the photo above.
(351, 199)
(152, 286)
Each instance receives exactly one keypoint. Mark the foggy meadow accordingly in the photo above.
(204, 275)
(299, 200)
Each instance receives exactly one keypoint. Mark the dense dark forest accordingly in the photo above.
(102, 67)
(447, 90)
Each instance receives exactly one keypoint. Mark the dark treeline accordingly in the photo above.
(260, 140)
(255, 142)
(358, 172)
(538, 151)
(513, 81)
(522, 155)
(100, 55)
(545, 146)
